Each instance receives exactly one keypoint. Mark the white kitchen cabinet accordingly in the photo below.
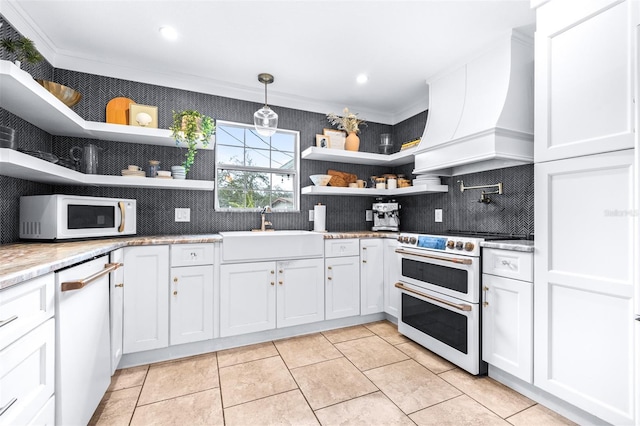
(191, 298)
(584, 283)
(342, 286)
(146, 298)
(371, 276)
(507, 313)
(392, 273)
(260, 296)
(585, 77)
(116, 308)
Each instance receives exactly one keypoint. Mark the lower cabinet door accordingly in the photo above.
(392, 273)
(247, 298)
(342, 286)
(300, 293)
(27, 374)
(507, 325)
(191, 304)
(371, 276)
(146, 298)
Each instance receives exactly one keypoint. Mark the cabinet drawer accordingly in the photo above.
(342, 247)
(509, 264)
(191, 254)
(26, 374)
(24, 306)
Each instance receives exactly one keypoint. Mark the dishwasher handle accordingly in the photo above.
(77, 285)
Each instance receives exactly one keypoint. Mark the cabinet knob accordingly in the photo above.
(485, 288)
(175, 293)
(364, 261)
(329, 268)
(280, 271)
(119, 285)
(280, 282)
(175, 279)
(273, 272)
(364, 248)
(329, 278)
(485, 304)
(273, 283)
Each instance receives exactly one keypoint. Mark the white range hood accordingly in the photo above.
(481, 114)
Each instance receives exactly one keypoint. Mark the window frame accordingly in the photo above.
(242, 168)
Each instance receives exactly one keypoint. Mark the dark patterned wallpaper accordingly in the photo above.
(513, 213)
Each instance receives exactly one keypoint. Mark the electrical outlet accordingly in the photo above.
(183, 215)
(310, 215)
(368, 216)
(438, 215)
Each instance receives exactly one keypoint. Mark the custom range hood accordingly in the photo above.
(481, 114)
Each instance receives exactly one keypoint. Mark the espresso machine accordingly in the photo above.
(386, 216)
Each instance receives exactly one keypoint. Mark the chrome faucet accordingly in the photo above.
(263, 215)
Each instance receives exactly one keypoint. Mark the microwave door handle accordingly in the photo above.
(77, 285)
(446, 259)
(458, 306)
(122, 216)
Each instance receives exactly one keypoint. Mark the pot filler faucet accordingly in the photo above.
(265, 225)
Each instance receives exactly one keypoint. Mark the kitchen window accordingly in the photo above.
(254, 171)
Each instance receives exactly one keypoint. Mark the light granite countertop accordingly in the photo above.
(25, 260)
(513, 245)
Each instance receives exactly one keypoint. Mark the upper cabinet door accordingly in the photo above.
(585, 77)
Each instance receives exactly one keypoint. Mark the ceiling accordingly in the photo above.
(315, 49)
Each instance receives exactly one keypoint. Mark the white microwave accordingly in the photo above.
(62, 217)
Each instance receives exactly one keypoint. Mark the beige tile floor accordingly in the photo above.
(365, 375)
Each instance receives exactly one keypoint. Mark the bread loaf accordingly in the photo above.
(347, 177)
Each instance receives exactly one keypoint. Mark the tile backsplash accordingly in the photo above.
(512, 212)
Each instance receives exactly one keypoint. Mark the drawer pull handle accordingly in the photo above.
(460, 307)
(8, 320)
(77, 285)
(119, 285)
(329, 268)
(6, 407)
(329, 278)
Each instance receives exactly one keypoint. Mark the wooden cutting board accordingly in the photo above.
(118, 110)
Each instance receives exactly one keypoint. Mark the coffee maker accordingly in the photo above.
(386, 216)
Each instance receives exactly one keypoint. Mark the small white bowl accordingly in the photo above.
(320, 180)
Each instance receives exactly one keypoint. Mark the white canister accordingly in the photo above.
(392, 183)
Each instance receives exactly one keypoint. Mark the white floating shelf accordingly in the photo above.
(357, 157)
(24, 97)
(22, 166)
(372, 192)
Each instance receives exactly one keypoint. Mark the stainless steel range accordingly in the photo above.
(440, 295)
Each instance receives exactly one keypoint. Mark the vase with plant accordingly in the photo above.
(23, 48)
(350, 123)
(189, 128)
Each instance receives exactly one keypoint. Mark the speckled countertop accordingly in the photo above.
(513, 245)
(23, 261)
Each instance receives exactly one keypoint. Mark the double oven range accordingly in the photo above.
(440, 290)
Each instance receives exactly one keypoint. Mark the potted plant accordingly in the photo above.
(350, 123)
(23, 48)
(189, 128)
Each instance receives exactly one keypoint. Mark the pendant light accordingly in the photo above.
(265, 120)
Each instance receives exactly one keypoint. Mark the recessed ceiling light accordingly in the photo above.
(169, 33)
(362, 78)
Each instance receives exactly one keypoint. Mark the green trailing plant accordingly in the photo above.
(23, 48)
(189, 128)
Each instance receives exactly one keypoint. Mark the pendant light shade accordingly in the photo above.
(265, 120)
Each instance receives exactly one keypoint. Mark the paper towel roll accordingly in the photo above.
(319, 218)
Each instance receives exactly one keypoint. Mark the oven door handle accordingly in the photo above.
(437, 299)
(446, 259)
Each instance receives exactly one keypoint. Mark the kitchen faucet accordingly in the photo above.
(265, 223)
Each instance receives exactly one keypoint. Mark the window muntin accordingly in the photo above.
(253, 171)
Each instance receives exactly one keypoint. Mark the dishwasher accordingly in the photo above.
(83, 355)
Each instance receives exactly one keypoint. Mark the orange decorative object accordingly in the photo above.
(118, 110)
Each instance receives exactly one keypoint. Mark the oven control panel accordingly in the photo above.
(460, 245)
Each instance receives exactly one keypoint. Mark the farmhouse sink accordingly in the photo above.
(241, 246)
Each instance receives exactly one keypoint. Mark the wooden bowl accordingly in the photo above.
(67, 95)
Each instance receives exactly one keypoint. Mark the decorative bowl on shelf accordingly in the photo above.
(67, 95)
(320, 180)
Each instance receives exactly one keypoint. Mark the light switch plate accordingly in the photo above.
(183, 214)
(438, 215)
(368, 216)
(310, 215)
